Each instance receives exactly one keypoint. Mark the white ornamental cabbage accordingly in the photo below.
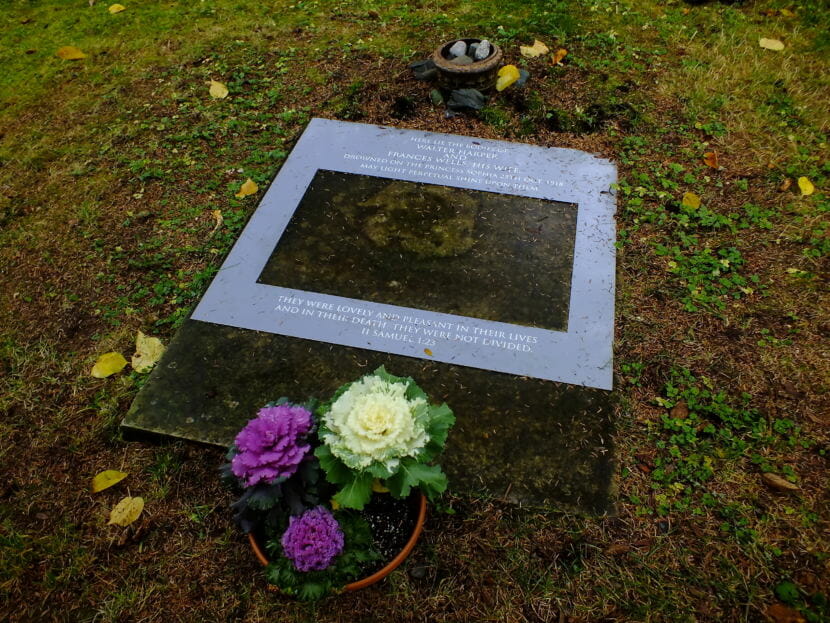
(374, 421)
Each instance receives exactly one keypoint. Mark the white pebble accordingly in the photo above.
(459, 48)
(483, 50)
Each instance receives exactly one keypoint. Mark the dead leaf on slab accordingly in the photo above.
(218, 90)
(691, 200)
(106, 479)
(116, 8)
(108, 364)
(771, 44)
(126, 511)
(776, 482)
(532, 51)
(248, 188)
(148, 350)
(806, 186)
(70, 53)
(556, 59)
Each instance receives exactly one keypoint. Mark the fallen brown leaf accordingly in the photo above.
(779, 613)
(785, 185)
(711, 159)
(776, 482)
(680, 411)
(616, 549)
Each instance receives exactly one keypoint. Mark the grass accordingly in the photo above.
(113, 170)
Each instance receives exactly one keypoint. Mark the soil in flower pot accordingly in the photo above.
(392, 522)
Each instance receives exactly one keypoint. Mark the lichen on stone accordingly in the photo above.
(427, 221)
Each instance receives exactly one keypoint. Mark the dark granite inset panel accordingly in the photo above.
(537, 441)
(453, 250)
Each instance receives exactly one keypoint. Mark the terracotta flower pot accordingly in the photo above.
(381, 573)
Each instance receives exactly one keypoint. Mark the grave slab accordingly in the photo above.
(483, 269)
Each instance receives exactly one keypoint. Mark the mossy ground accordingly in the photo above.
(111, 169)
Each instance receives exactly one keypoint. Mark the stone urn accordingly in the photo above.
(479, 75)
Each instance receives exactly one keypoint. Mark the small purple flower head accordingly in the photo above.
(312, 540)
(271, 445)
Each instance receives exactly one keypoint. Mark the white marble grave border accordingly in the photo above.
(582, 355)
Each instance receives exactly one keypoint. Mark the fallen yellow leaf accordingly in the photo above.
(148, 350)
(710, 159)
(126, 511)
(556, 59)
(116, 8)
(218, 90)
(106, 479)
(532, 51)
(107, 364)
(691, 200)
(771, 44)
(70, 53)
(248, 188)
(786, 13)
(428, 352)
(806, 186)
(507, 75)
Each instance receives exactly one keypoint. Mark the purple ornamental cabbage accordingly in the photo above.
(312, 540)
(271, 445)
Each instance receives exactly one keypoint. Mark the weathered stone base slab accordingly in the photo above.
(533, 441)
